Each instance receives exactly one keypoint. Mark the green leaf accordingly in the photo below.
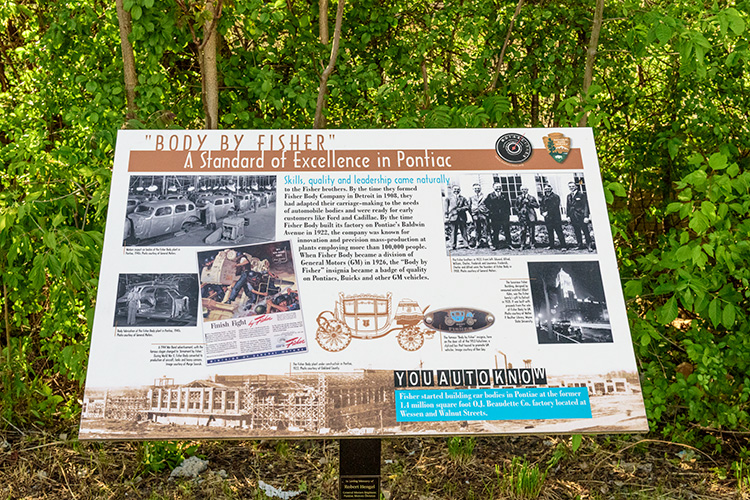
(714, 312)
(668, 312)
(699, 222)
(683, 253)
(685, 210)
(54, 265)
(575, 442)
(37, 273)
(49, 240)
(728, 316)
(663, 33)
(673, 145)
(633, 288)
(717, 161)
(618, 189)
(700, 40)
(685, 195)
(736, 23)
(136, 12)
(708, 209)
(674, 207)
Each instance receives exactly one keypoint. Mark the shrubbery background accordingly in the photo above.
(669, 102)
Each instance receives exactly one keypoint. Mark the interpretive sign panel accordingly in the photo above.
(269, 283)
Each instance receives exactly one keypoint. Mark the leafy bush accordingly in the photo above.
(692, 332)
(668, 102)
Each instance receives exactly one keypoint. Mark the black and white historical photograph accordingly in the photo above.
(199, 210)
(569, 303)
(167, 300)
(512, 214)
(246, 281)
(243, 406)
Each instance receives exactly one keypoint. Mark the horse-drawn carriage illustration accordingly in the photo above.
(370, 316)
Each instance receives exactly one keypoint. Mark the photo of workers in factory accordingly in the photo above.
(199, 210)
(245, 281)
(156, 300)
(244, 291)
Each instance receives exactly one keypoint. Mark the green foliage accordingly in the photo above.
(564, 450)
(698, 279)
(522, 480)
(669, 105)
(575, 442)
(58, 128)
(741, 472)
(461, 449)
(157, 456)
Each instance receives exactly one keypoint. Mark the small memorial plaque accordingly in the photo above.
(359, 488)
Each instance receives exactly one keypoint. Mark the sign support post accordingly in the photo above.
(359, 469)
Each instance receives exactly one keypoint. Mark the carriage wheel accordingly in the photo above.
(334, 338)
(410, 338)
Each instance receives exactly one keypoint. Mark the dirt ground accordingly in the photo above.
(37, 465)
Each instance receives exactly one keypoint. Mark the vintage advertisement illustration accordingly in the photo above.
(269, 283)
(244, 291)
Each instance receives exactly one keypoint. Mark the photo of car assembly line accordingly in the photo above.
(199, 210)
(156, 300)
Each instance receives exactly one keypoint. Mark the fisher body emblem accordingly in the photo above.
(558, 146)
(459, 320)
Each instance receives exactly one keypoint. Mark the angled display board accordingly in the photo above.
(358, 282)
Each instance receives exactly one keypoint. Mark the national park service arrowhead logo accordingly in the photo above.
(558, 146)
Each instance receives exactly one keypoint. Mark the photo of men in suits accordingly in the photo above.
(521, 214)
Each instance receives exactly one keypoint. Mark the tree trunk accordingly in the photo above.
(7, 321)
(209, 76)
(498, 66)
(588, 74)
(425, 84)
(534, 98)
(128, 59)
(323, 24)
(319, 121)
(555, 103)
